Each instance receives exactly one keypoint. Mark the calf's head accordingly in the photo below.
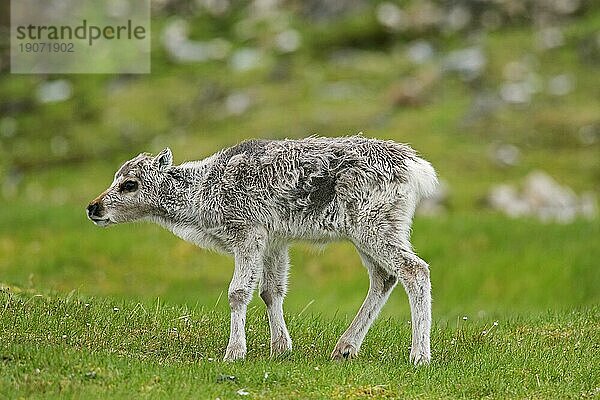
(135, 192)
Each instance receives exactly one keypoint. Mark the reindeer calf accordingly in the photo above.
(252, 199)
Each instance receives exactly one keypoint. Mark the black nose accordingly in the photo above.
(93, 209)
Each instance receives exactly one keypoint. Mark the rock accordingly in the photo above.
(521, 81)
(540, 188)
(565, 6)
(561, 85)
(515, 93)
(215, 7)
(54, 91)
(327, 10)
(505, 155)
(469, 62)
(183, 50)
(288, 41)
(391, 16)
(549, 38)
(542, 197)
(420, 51)
(237, 103)
(339, 91)
(506, 198)
(90, 375)
(245, 59)
(485, 104)
(458, 18)
(589, 134)
(226, 378)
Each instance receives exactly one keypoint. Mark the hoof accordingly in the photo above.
(344, 351)
(420, 358)
(280, 346)
(235, 353)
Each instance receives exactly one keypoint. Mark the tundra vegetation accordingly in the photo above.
(136, 312)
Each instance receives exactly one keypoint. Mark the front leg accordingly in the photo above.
(272, 291)
(248, 267)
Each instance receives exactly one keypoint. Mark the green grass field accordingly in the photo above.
(75, 347)
(133, 312)
(157, 325)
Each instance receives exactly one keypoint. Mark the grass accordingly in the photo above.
(480, 263)
(75, 347)
(540, 282)
(537, 281)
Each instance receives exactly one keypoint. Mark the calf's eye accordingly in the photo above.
(129, 186)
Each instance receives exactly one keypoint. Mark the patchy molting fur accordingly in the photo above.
(251, 199)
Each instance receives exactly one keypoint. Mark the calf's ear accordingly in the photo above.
(164, 159)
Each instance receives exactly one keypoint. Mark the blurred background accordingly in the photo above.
(502, 96)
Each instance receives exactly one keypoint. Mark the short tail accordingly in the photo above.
(421, 176)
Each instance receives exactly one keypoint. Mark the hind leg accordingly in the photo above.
(413, 273)
(415, 279)
(381, 285)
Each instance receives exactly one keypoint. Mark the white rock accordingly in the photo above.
(215, 7)
(54, 91)
(338, 91)
(542, 191)
(288, 41)
(506, 198)
(543, 198)
(182, 50)
(390, 15)
(506, 154)
(420, 51)
(458, 17)
(561, 85)
(470, 62)
(245, 59)
(566, 6)
(549, 38)
(515, 93)
(237, 103)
